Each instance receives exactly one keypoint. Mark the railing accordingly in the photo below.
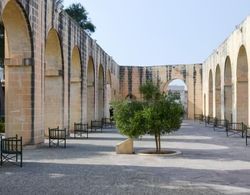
(247, 134)
(224, 125)
(236, 129)
(220, 124)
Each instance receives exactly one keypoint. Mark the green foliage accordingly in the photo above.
(80, 15)
(128, 117)
(2, 125)
(175, 96)
(163, 116)
(150, 91)
(157, 115)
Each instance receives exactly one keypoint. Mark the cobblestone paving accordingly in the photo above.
(210, 163)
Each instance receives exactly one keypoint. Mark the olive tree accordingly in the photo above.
(157, 114)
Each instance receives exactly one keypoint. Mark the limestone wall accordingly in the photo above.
(40, 70)
(132, 77)
(229, 90)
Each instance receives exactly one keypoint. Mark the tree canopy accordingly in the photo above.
(157, 115)
(80, 15)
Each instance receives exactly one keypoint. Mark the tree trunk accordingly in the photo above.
(156, 143)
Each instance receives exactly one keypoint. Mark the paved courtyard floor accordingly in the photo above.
(210, 163)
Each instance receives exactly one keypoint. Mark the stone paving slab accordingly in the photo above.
(210, 163)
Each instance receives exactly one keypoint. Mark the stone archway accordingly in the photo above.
(228, 90)
(242, 86)
(90, 91)
(218, 92)
(100, 93)
(210, 94)
(18, 63)
(179, 88)
(75, 88)
(53, 89)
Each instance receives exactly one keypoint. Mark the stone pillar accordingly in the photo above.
(18, 99)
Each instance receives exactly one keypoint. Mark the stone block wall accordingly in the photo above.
(227, 68)
(132, 77)
(39, 77)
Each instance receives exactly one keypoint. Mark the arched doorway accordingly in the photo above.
(211, 94)
(75, 88)
(228, 90)
(53, 89)
(18, 65)
(242, 86)
(218, 92)
(91, 91)
(100, 93)
(178, 88)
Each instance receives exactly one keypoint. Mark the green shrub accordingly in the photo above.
(157, 115)
(128, 118)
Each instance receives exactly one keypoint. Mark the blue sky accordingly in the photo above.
(160, 32)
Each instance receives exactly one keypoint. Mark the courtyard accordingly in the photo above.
(210, 163)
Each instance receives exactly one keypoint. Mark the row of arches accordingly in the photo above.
(54, 85)
(227, 91)
(23, 73)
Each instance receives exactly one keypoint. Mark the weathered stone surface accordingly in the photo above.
(226, 77)
(46, 73)
(125, 147)
(131, 78)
